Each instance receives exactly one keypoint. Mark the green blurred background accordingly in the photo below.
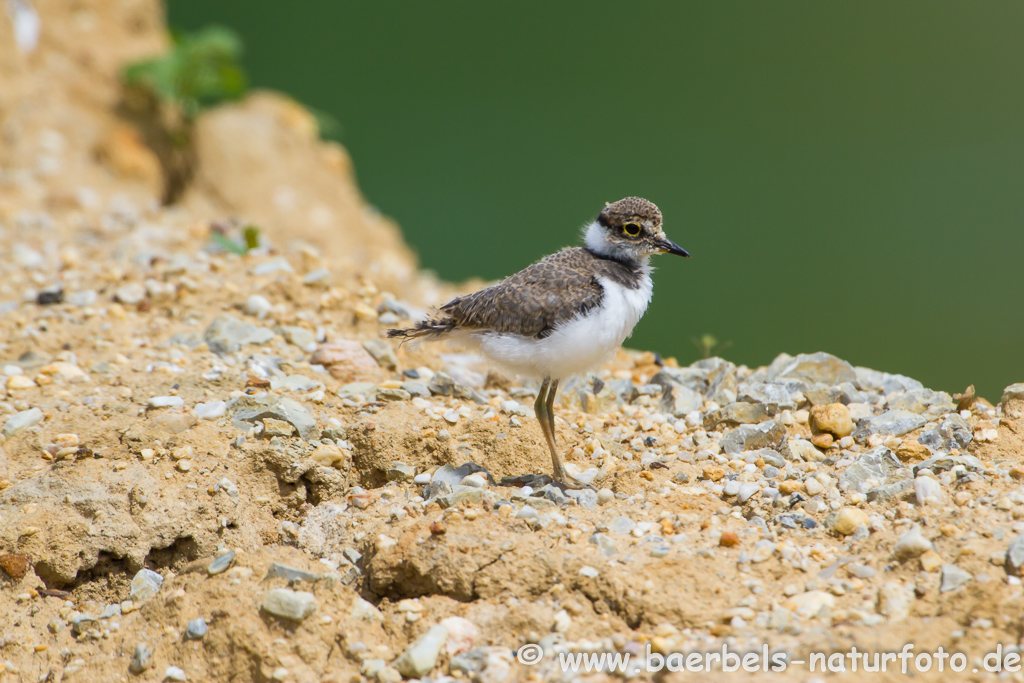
(848, 176)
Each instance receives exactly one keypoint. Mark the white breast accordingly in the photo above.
(578, 345)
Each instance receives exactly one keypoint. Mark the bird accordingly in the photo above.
(565, 314)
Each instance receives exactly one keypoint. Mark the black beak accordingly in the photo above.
(667, 246)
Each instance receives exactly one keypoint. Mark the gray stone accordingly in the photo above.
(441, 384)
(421, 657)
(953, 577)
(889, 423)
(142, 659)
(227, 334)
(221, 563)
(624, 389)
(382, 353)
(289, 604)
(952, 433)
(770, 456)
(283, 571)
(110, 611)
(621, 525)
(930, 404)
(911, 544)
(942, 462)
(453, 476)
(386, 394)
(1014, 392)
(737, 413)
(365, 392)
(85, 297)
(399, 471)
(753, 437)
(849, 394)
(889, 493)
(680, 401)
(19, 422)
(253, 408)
(927, 490)
(775, 396)
(604, 543)
(145, 584)
(821, 395)
(883, 382)
(196, 629)
(1015, 556)
(416, 389)
(298, 336)
(130, 294)
(692, 378)
(879, 464)
(465, 494)
(278, 264)
(818, 367)
(585, 498)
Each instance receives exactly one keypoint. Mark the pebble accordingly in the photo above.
(746, 491)
(258, 306)
(605, 495)
(382, 353)
(142, 659)
(621, 525)
(212, 410)
(20, 382)
(526, 512)
(810, 604)
(145, 585)
(256, 408)
(953, 577)
(927, 490)
(289, 604)
(421, 657)
(895, 601)
(221, 563)
(174, 673)
(19, 422)
(911, 544)
(227, 335)
(130, 294)
(196, 629)
(278, 264)
(849, 520)
(165, 402)
(1015, 556)
(833, 419)
(754, 437)
(889, 423)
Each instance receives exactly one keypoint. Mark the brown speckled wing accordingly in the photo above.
(535, 300)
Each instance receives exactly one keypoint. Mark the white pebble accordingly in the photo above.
(526, 512)
(165, 402)
(450, 416)
(211, 411)
(258, 306)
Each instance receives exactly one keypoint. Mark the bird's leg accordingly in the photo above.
(547, 426)
(559, 469)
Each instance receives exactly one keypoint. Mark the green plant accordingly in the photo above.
(199, 71)
(250, 240)
(707, 343)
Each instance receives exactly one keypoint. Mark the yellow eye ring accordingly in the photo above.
(631, 229)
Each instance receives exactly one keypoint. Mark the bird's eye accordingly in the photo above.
(631, 229)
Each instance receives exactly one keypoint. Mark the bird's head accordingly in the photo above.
(630, 229)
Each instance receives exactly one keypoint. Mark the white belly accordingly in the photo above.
(573, 347)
